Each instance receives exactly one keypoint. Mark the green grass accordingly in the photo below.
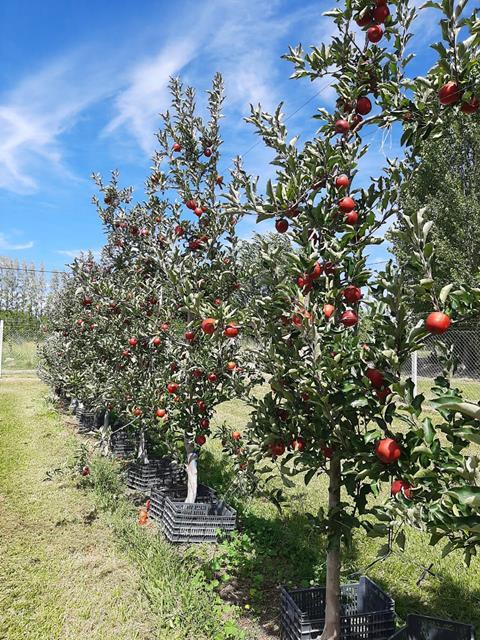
(469, 388)
(19, 355)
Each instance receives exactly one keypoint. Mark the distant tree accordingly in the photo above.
(447, 181)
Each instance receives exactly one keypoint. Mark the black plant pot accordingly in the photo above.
(425, 628)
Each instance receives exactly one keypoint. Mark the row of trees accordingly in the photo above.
(158, 332)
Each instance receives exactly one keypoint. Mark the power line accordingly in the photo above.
(30, 270)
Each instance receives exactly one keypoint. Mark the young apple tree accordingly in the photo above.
(335, 334)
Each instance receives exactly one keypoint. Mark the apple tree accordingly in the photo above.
(336, 334)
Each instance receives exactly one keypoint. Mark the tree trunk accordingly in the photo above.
(105, 434)
(142, 448)
(331, 630)
(191, 466)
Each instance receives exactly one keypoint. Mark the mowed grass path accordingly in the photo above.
(60, 577)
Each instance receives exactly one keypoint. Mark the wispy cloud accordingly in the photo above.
(7, 245)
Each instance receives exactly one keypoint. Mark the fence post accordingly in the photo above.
(415, 372)
(1, 346)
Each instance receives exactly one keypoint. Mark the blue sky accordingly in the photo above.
(82, 83)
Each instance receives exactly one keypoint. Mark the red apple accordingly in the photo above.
(327, 451)
(219, 180)
(316, 272)
(85, 471)
(364, 105)
(382, 394)
(212, 377)
(176, 147)
(401, 486)
(156, 341)
(202, 407)
(179, 230)
(352, 294)
(380, 14)
(164, 326)
(470, 106)
(133, 342)
(191, 204)
(387, 450)
(342, 181)
(231, 366)
(298, 444)
(236, 435)
(125, 353)
(87, 301)
(137, 412)
(217, 302)
(437, 322)
(342, 126)
(207, 153)
(365, 18)
(329, 268)
(160, 413)
(349, 318)
(204, 423)
(200, 440)
(347, 204)
(328, 310)
(231, 331)
(376, 377)
(351, 217)
(172, 387)
(198, 211)
(277, 448)
(197, 373)
(281, 225)
(375, 33)
(208, 325)
(189, 336)
(450, 93)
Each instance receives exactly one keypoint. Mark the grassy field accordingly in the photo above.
(74, 563)
(19, 355)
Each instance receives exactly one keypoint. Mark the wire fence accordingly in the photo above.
(19, 341)
(464, 345)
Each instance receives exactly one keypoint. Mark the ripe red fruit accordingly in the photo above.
(197, 373)
(208, 325)
(302, 281)
(437, 322)
(380, 14)
(349, 318)
(277, 448)
(172, 387)
(363, 106)
(207, 153)
(376, 378)
(133, 342)
(351, 217)
(236, 435)
(328, 310)
(401, 486)
(204, 423)
(231, 366)
(85, 471)
(219, 180)
(191, 204)
(125, 353)
(231, 331)
(164, 326)
(198, 211)
(342, 126)
(329, 268)
(200, 440)
(137, 412)
(364, 19)
(217, 302)
(179, 230)
(387, 450)
(156, 341)
(79, 322)
(176, 146)
(316, 272)
(189, 335)
(342, 181)
(212, 377)
(375, 33)
(87, 301)
(281, 225)
(450, 93)
(352, 294)
(160, 413)
(347, 204)
(298, 444)
(327, 452)
(202, 407)
(382, 394)
(470, 106)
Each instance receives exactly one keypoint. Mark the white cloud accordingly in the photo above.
(7, 245)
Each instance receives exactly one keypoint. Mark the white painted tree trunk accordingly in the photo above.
(192, 477)
(142, 455)
(105, 434)
(331, 630)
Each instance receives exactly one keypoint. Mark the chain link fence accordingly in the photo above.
(425, 364)
(19, 346)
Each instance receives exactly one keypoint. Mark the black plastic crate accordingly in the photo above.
(176, 492)
(121, 445)
(425, 628)
(163, 472)
(197, 522)
(367, 613)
